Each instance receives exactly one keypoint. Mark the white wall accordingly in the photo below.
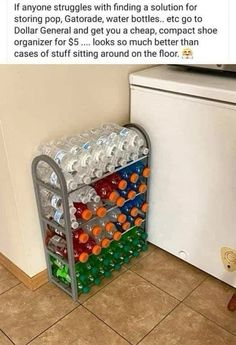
(38, 103)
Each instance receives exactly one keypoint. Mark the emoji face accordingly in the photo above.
(187, 53)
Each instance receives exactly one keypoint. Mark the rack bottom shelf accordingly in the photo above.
(101, 266)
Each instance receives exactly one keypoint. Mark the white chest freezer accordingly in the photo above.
(191, 120)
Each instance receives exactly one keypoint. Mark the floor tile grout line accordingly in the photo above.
(192, 291)
(148, 281)
(7, 337)
(206, 317)
(2, 293)
(46, 329)
(107, 324)
(160, 322)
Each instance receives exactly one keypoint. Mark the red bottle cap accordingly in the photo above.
(96, 249)
(131, 195)
(122, 185)
(86, 214)
(133, 177)
(83, 257)
(120, 201)
(113, 196)
(96, 230)
(105, 243)
(142, 188)
(138, 221)
(121, 218)
(126, 226)
(144, 207)
(83, 238)
(117, 235)
(146, 172)
(134, 211)
(101, 212)
(109, 227)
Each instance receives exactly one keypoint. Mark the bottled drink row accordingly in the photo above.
(91, 272)
(91, 154)
(97, 233)
(93, 201)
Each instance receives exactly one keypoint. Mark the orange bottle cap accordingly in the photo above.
(133, 177)
(101, 212)
(83, 238)
(117, 235)
(121, 218)
(86, 214)
(126, 226)
(144, 207)
(120, 201)
(96, 230)
(142, 188)
(83, 257)
(146, 172)
(105, 243)
(122, 185)
(134, 211)
(138, 221)
(113, 196)
(131, 195)
(96, 249)
(109, 227)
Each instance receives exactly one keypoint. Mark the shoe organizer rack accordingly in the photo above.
(78, 277)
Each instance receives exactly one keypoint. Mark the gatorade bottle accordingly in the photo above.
(97, 208)
(128, 193)
(106, 192)
(141, 169)
(82, 212)
(138, 187)
(116, 181)
(91, 247)
(130, 208)
(116, 215)
(141, 204)
(128, 175)
(92, 228)
(79, 254)
(80, 236)
(123, 227)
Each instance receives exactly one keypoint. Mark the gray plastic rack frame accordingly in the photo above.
(63, 192)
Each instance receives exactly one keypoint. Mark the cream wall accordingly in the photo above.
(38, 103)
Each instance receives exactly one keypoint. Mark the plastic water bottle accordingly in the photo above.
(85, 194)
(58, 245)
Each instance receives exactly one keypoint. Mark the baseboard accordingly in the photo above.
(32, 283)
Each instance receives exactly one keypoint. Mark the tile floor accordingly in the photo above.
(156, 300)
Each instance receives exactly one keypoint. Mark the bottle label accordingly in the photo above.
(55, 200)
(58, 215)
(59, 156)
(53, 178)
(124, 131)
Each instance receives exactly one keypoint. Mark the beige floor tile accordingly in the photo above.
(24, 314)
(169, 273)
(79, 328)
(7, 280)
(4, 340)
(186, 327)
(211, 299)
(131, 306)
(94, 289)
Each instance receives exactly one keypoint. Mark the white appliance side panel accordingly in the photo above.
(193, 181)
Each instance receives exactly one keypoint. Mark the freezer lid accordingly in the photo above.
(189, 82)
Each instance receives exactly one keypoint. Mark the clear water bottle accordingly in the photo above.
(85, 194)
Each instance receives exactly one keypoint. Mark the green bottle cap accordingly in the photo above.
(86, 289)
(144, 247)
(97, 281)
(117, 267)
(107, 274)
